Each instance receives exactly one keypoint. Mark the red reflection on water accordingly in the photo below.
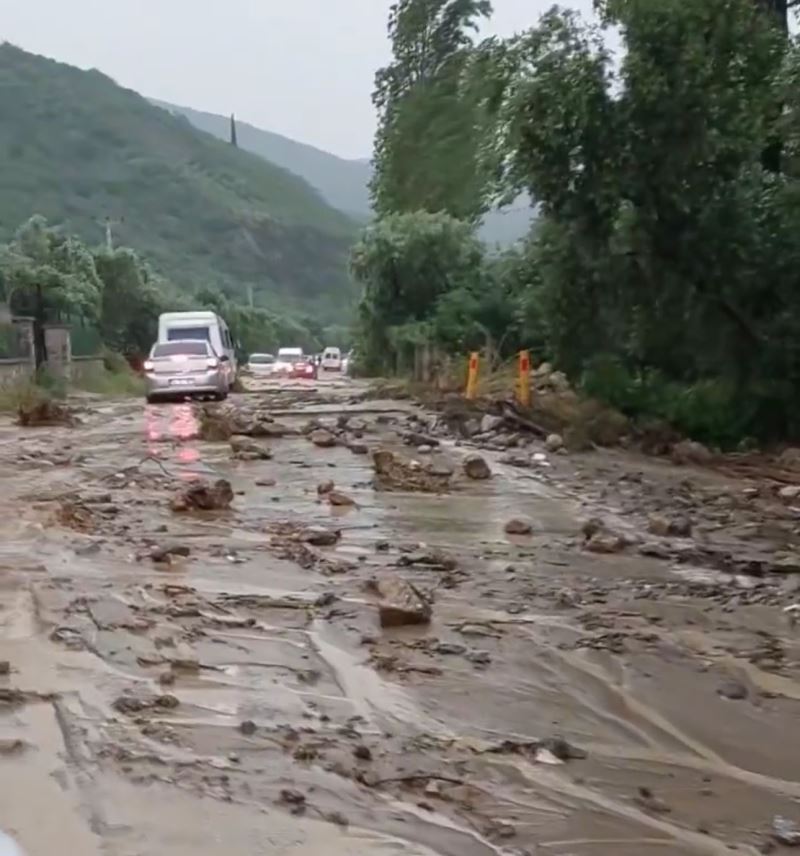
(172, 423)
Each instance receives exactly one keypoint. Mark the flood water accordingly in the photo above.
(264, 711)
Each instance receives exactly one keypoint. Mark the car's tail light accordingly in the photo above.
(212, 362)
(148, 365)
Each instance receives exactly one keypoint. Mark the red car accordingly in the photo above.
(303, 370)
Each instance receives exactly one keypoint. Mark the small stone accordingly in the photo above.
(320, 536)
(324, 488)
(265, 482)
(515, 526)
(323, 438)
(290, 796)
(680, 527)
(248, 727)
(169, 702)
(337, 498)
(479, 658)
(362, 753)
(562, 749)
(165, 554)
(5, 667)
(789, 493)
(554, 443)
(453, 649)
(475, 467)
(659, 525)
(606, 542)
(201, 495)
(358, 448)
(245, 449)
(733, 690)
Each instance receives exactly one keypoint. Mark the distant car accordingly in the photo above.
(185, 368)
(305, 369)
(287, 357)
(331, 360)
(261, 364)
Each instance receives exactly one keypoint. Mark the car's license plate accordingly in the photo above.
(180, 381)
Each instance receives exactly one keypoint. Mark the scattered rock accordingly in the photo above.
(691, 452)
(479, 658)
(789, 493)
(339, 499)
(246, 449)
(266, 482)
(415, 439)
(650, 802)
(605, 541)
(322, 438)
(201, 495)
(165, 554)
(475, 467)
(515, 526)
(562, 749)
(324, 488)
(357, 447)
(5, 667)
(362, 753)
(733, 690)
(248, 727)
(450, 649)
(786, 832)
(680, 527)
(320, 536)
(790, 458)
(491, 423)
(292, 797)
(554, 443)
(430, 558)
(401, 603)
(657, 524)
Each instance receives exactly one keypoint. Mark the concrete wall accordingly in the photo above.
(82, 369)
(14, 372)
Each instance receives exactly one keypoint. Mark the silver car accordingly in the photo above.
(182, 368)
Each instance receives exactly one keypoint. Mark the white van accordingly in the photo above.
(205, 326)
(332, 360)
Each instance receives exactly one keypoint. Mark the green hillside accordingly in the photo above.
(343, 183)
(77, 148)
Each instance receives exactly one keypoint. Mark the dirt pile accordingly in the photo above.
(42, 411)
(395, 473)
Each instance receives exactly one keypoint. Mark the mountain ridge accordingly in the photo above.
(343, 182)
(77, 148)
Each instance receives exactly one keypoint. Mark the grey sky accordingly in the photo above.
(303, 68)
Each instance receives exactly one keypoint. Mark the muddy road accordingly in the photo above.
(219, 682)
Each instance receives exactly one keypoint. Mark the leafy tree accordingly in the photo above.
(131, 301)
(50, 276)
(405, 264)
(429, 130)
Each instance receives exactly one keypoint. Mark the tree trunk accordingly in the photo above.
(39, 344)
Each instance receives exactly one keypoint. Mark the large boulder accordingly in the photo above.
(401, 603)
(475, 467)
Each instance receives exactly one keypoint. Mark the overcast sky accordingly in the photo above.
(303, 68)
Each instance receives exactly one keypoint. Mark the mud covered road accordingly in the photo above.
(218, 682)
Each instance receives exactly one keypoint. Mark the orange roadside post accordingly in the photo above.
(524, 379)
(472, 376)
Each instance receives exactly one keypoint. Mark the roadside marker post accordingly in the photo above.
(472, 376)
(524, 379)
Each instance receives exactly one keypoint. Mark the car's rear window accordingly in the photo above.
(189, 349)
(262, 358)
(201, 333)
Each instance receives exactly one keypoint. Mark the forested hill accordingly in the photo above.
(77, 148)
(343, 183)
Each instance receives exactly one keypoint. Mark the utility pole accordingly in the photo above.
(234, 142)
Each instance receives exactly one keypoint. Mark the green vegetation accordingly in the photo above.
(662, 271)
(78, 149)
